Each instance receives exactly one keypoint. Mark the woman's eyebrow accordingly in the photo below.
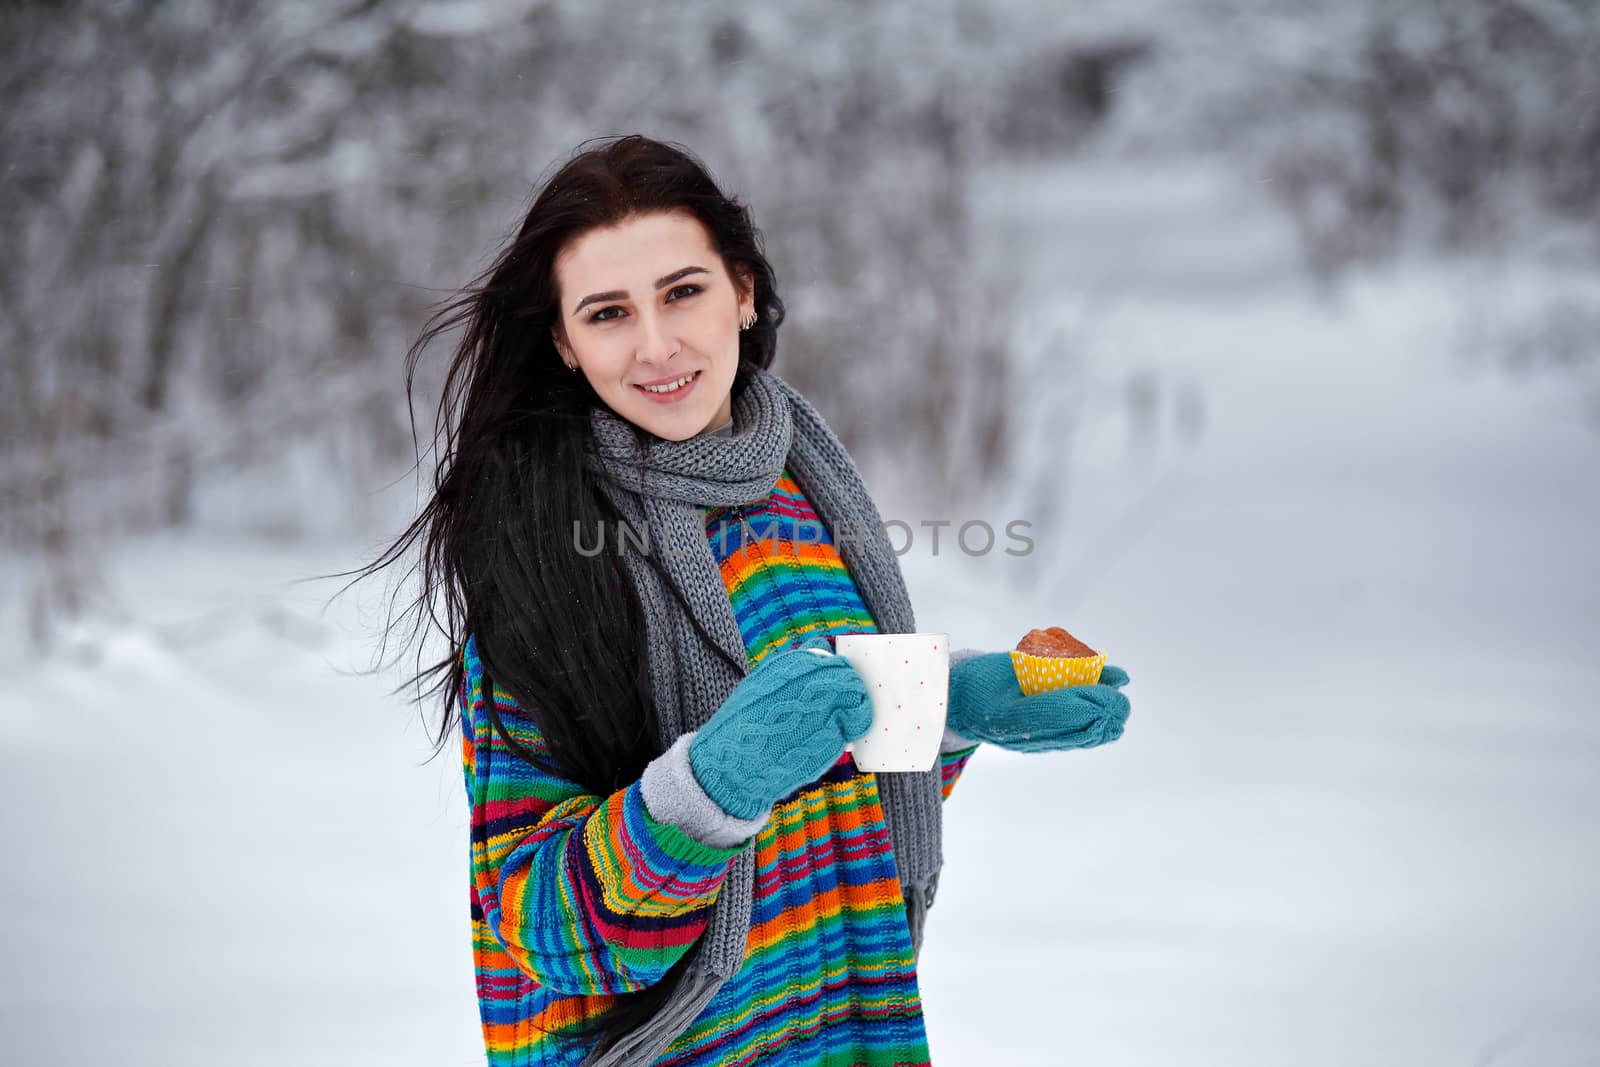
(619, 294)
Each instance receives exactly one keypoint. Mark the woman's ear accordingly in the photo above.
(745, 281)
(559, 337)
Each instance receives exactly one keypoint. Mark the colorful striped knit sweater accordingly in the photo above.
(577, 897)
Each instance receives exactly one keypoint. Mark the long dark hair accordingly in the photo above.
(554, 627)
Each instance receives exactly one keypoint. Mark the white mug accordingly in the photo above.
(908, 679)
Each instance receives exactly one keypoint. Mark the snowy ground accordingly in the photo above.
(1354, 819)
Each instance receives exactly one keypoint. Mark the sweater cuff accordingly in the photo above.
(952, 741)
(959, 655)
(672, 794)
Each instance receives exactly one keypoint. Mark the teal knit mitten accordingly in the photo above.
(986, 704)
(782, 727)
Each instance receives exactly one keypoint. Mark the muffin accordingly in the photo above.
(1053, 659)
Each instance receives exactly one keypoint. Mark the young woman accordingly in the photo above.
(673, 859)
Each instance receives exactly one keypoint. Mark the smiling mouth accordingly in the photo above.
(671, 387)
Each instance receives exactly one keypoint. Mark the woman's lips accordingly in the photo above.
(672, 397)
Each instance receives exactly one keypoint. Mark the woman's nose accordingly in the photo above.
(656, 342)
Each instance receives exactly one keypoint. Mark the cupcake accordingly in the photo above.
(1053, 659)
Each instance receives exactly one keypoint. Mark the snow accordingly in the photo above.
(1353, 820)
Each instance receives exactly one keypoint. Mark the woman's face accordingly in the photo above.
(649, 302)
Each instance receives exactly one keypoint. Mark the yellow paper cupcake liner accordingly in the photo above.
(1040, 674)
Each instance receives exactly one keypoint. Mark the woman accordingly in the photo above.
(673, 860)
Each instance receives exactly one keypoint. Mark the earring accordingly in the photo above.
(749, 322)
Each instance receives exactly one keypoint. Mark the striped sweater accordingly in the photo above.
(576, 898)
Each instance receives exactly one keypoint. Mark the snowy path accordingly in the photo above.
(1355, 818)
(1353, 822)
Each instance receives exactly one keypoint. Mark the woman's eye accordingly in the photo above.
(598, 316)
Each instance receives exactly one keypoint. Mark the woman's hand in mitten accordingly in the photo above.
(782, 727)
(986, 704)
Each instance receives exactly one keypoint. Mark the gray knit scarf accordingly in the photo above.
(661, 492)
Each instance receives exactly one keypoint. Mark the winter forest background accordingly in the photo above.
(1279, 322)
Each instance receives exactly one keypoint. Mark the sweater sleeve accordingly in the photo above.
(951, 764)
(587, 894)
